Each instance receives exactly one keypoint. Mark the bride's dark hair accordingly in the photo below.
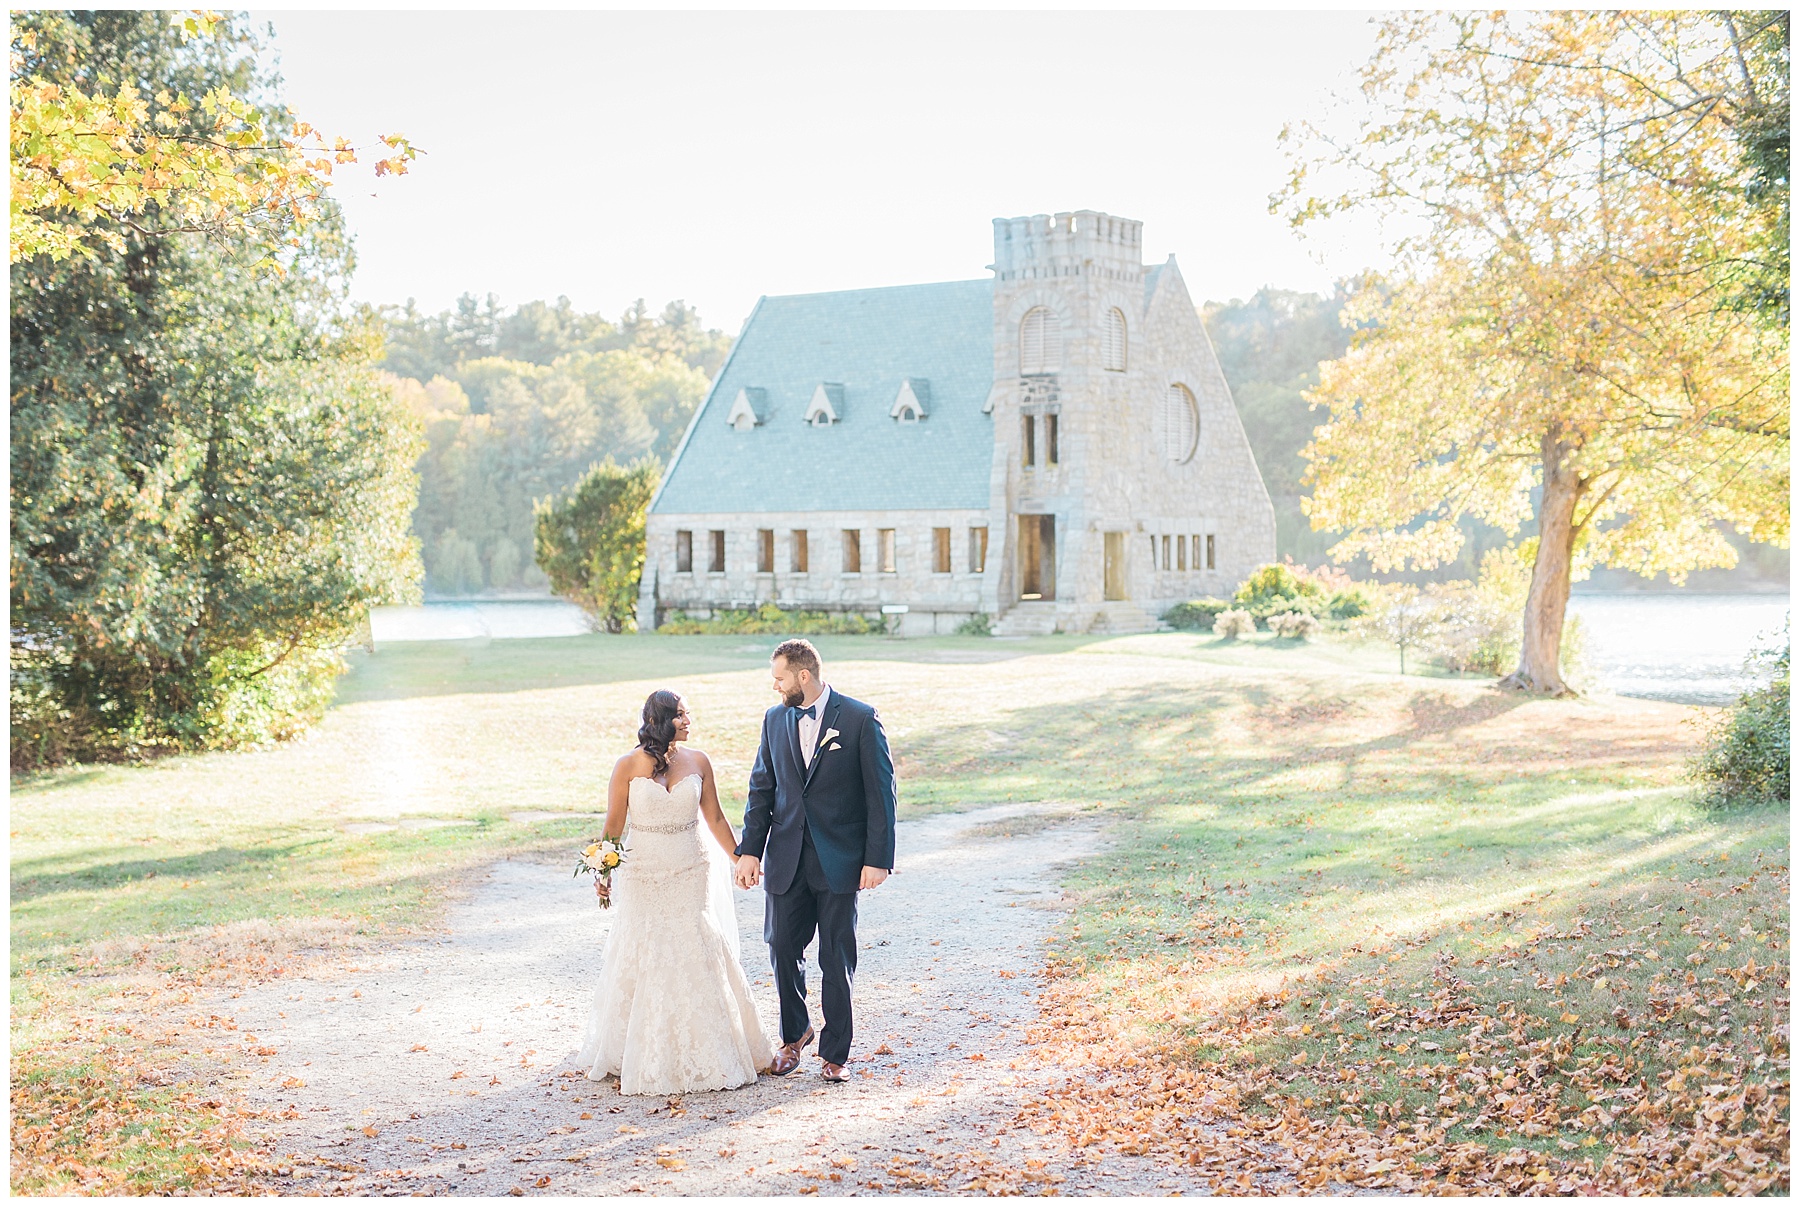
(658, 729)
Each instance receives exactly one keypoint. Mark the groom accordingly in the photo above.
(821, 814)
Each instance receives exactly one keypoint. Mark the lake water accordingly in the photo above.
(1686, 648)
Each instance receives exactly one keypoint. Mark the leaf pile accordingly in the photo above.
(1631, 1051)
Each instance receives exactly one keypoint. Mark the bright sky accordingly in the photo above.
(719, 156)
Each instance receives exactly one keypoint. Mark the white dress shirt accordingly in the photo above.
(811, 727)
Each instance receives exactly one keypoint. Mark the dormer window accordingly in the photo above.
(1112, 341)
(822, 411)
(747, 409)
(909, 404)
(1040, 342)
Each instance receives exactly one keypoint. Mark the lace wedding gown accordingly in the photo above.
(672, 1014)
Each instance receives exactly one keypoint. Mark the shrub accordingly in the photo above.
(1745, 757)
(1297, 626)
(771, 620)
(1279, 587)
(1234, 623)
(1197, 614)
(591, 545)
(1348, 603)
(978, 625)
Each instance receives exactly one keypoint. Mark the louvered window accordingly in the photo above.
(1040, 343)
(1112, 341)
(1180, 424)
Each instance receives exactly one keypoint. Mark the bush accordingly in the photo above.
(772, 621)
(1234, 623)
(591, 545)
(1196, 614)
(1278, 587)
(978, 625)
(1746, 753)
(1349, 603)
(1296, 626)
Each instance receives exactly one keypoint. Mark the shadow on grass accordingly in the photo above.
(32, 880)
(408, 670)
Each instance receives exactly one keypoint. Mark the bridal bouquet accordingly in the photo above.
(602, 857)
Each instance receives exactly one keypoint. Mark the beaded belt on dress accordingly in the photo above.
(675, 829)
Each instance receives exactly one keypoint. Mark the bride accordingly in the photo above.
(672, 1014)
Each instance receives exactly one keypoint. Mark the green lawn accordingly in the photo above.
(1279, 806)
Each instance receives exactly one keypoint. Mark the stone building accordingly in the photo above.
(1055, 447)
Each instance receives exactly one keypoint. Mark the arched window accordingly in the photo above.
(1180, 424)
(1112, 341)
(1040, 342)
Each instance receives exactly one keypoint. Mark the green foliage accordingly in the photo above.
(771, 620)
(1197, 614)
(1762, 131)
(518, 404)
(1278, 587)
(1270, 348)
(591, 546)
(978, 625)
(210, 483)
(1348, 603)
(1746, 757)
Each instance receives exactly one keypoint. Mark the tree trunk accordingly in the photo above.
(1540, 647)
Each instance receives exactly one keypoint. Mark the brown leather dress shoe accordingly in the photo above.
(787, 1056)
(831, 1072)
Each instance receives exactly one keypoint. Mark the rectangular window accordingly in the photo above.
(718, 551)
(1167, 564)
(797, 563)
(1199, 557)
(885, 543)
(1028, 440)
(1050, 427)
(940, 551)
(1181, 553)
(852, 551)
(684, 551)
(1210, 563)
(978, 550)
(765, 551)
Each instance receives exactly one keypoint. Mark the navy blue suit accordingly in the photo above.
(815, 829)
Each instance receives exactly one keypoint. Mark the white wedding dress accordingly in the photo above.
(672, 1014)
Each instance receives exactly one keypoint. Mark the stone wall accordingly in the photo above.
(936, 602)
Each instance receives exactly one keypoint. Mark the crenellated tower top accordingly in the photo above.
(1082, 243)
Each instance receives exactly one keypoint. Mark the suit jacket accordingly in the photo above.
(846, 799)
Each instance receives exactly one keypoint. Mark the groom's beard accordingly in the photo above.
(793, 699)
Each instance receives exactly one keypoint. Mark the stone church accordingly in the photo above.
(1054, 447)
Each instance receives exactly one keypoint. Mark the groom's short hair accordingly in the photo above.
(799, 655)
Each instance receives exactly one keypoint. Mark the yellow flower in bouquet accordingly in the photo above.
(601, 858)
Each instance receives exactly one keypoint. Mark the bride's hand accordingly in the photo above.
(601, 891)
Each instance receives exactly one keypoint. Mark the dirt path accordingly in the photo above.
(446, 1067)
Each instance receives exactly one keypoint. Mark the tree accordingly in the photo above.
(210, 484)
(94, 139)
(1566, 349)
(591, 545)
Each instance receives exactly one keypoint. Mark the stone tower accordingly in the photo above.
(1120, 466)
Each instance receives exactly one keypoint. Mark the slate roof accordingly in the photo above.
(869, 340)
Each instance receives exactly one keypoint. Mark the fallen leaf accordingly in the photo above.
(371, 1131)
(587, 1114)
(459, 1073)
(542, 1182)
(671, 1163)
(419, 1048)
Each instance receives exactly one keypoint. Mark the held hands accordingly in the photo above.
(749, 871)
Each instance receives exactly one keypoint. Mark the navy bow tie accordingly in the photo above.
(811, 710)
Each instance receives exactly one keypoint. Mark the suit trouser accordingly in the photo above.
(792, 918)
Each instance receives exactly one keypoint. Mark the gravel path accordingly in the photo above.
(446, 1066)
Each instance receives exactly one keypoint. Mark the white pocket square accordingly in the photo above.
(834, 746)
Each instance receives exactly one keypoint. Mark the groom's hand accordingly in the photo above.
(749, 871)
(872, 877)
